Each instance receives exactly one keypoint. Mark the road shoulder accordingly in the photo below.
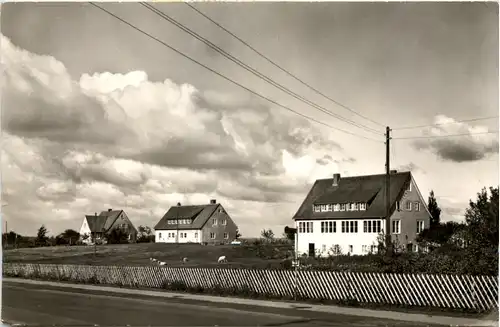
(303, 307)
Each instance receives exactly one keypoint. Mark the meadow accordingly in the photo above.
(239, 256)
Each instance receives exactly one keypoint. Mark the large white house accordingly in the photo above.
(347, 214)
(207, 223)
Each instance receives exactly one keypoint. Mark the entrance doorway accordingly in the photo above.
(312, 251)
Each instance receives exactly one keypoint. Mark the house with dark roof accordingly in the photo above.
(204, 224)
(347, 214)
(96, 227)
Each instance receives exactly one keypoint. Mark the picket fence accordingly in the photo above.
(448, 291)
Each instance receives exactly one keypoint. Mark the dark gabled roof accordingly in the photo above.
(104, 221)
(369, 189)
(200, 214)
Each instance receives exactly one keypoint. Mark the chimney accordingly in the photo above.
(394, 171)
(178, 204)
(213, 201)
(336, 179)
(109, 210)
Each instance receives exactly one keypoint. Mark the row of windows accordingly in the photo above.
(369, 226)
(355, 206)
(350, 248)
(179, 221)
(409, 205)
(184, 235)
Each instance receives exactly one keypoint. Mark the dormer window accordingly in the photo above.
(317, 208)
(355, 206)
(362, 206)
(336, 207)
(330, 207)
(342, 207)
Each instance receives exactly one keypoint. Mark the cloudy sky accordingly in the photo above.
(96, 115)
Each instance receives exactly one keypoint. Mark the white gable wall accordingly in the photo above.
(324, 242)
(85, 229)
(185, 236)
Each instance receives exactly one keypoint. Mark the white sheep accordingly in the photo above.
(222, 258)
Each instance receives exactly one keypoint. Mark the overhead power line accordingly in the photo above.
(225, 77)
(440, 136)
(440, 124)
(279, 67)
(253, 70)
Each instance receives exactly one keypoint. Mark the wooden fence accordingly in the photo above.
(448, 291)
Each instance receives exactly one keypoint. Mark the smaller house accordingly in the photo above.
(204, 224)
(96, 227)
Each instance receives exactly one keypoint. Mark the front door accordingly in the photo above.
(312, 252)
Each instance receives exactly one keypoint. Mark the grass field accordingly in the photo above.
(238, 256)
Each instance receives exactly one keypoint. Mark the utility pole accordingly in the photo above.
(388, 242)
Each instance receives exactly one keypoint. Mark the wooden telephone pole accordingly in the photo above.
(388, 242)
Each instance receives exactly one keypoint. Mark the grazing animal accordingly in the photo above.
(222, 258)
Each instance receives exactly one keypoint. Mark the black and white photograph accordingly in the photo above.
(238, 163)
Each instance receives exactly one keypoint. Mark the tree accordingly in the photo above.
(434, 210)
(70, 236)
(267, 234)
(481, 219)
(41, 236)
(145, 234)
(117, 236)
(290, 233)
(439, 234)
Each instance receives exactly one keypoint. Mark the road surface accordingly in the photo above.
(48, 305)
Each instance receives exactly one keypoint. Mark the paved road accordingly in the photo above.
(46, 305)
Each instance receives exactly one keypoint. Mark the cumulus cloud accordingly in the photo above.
(118, 140)
(458, 149)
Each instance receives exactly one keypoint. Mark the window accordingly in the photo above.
(323, 223)
(185, 235)
(323, 248)
(212, 235)
(224, 222)
(355, 206)
(342, 207)
(305, 227)
(351, 248)
(214, 222)
(336, 207)
(373, 248)
(408, 205)
(377, 226)
(332, 226)
(365, 227)
(182, 235)
(343, 227)
(159, 235)
(420, 226)
(364, 248)
(362, 206)
(324, 208)
(353, 226)
(196, 235)
(317, 208)
(226, 236)
(396, 226)
(417, 206)
(409, 187)
(398, 206)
